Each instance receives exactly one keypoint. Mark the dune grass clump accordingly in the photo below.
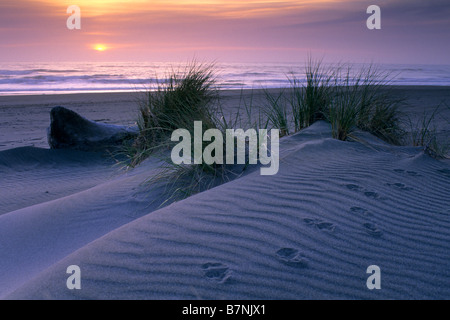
(311, 99)
(276, 112)
(423, 133)
(378, 112)
(343, 110)
(361, 101)
(307, 102)
(179, 100)
(346, 98)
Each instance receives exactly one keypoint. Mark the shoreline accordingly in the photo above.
(120, 92)
(27, 99)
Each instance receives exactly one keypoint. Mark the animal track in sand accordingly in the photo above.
(360, 210)
(320, 224)
(372, 229)
(410, 173)
(354, 187)
(369, 194)
(216, 272)
(399, 186)
(372, 195)
(292, 258)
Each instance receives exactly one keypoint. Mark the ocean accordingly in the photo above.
(77, 77)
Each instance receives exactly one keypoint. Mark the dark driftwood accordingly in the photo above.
(69, 130)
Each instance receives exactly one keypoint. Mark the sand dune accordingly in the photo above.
(309, 232)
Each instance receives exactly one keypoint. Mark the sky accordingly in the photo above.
(412, 31)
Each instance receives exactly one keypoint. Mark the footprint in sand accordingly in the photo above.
(372, 195)
(217, 272)
(319, 224)
(410, 173)
(399, 186)
(361, 211)
(368, 194)
(372, 229)
(354, 187)
(292, 258)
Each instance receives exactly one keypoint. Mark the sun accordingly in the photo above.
(100, 47)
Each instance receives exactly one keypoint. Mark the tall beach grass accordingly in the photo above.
(424, 133)
(361, 100)
(183, 97)
(348, 98)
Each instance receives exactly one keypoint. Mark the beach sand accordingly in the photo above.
(310, 232)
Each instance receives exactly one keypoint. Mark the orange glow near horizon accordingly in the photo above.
(217, 8)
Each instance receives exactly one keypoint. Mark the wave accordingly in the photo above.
(45, 77)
